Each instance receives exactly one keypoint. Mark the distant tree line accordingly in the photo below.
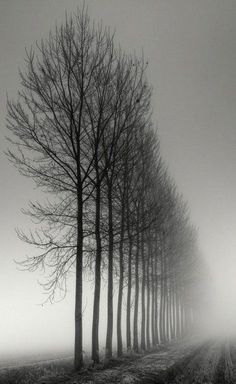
(81, 128)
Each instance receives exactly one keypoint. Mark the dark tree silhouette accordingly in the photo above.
(81, 129)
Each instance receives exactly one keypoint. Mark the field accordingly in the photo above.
(20, 372)
(211, 362)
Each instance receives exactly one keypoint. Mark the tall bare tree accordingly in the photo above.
(81, 129)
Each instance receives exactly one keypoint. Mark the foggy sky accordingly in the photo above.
(191, 49)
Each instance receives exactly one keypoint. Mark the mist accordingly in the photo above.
(190, 65)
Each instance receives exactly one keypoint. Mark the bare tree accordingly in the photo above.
(52, 130)
(81, 129)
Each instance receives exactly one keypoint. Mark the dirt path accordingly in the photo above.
(130, 369)
(213, 362)
(144, 369)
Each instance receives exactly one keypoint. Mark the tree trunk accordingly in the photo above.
(162, 293)
(154, 302)
(157, 314)
(96, 303)
(128, 311)
(148, 300)
(135, 328)
(143, 319)
(164, 313)
(172, 308)
(121, 283)
(110, 276)
(78, 348)
(167, 311)
(178, 323)
(182, 318)
(167, 289)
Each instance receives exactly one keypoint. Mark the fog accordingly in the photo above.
(218, 320)
(191, 49)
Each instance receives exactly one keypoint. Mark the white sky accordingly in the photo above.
(191, 49)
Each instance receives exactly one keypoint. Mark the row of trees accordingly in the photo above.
(82, 130)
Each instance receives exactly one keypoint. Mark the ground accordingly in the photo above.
(210, 362)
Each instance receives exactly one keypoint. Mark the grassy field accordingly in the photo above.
(129, 369)
(31, 373)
